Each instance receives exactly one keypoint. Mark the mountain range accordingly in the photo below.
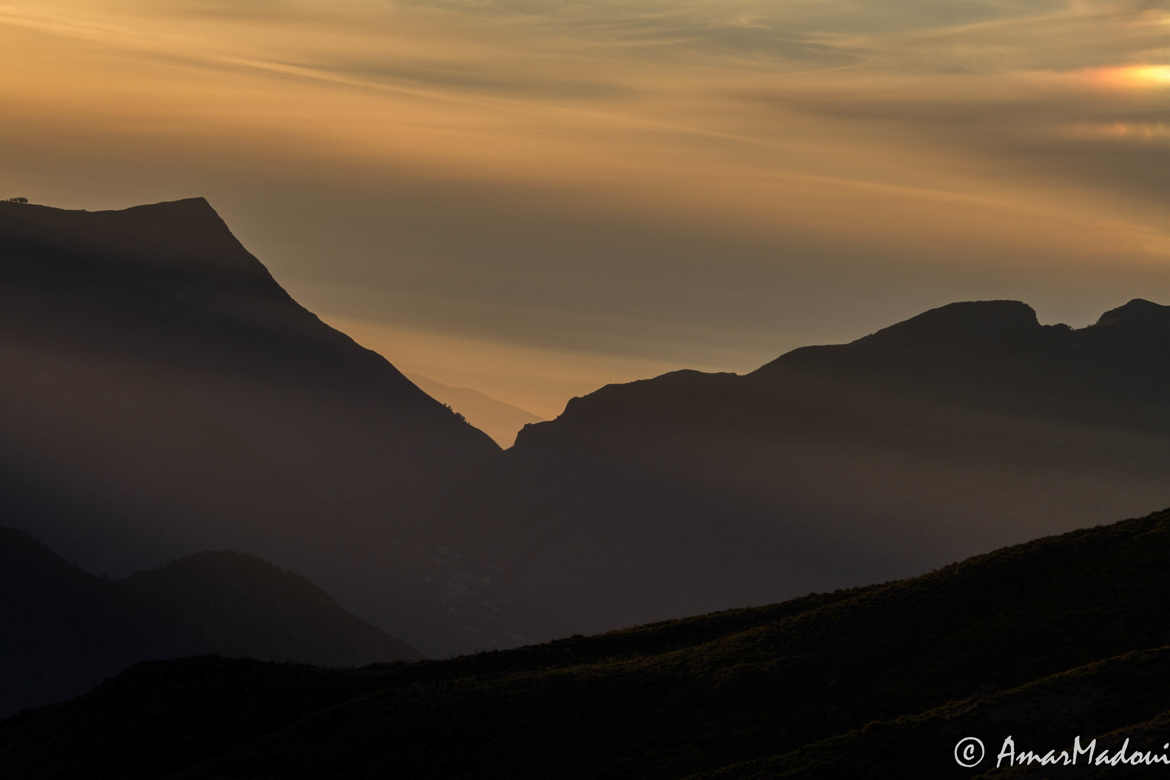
(965, 428)
(164, 395)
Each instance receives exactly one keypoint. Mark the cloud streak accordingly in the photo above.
(639, 179)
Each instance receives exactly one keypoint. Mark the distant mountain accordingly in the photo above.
(162, 395)
(240, 605)
(65, 630)
(1044, 641)
(497, 419)
(967, 427)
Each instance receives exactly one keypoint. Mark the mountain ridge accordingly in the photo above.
(165, 394)
(67, 629)
(965, 427)
(960, 323)
(1137, 311)
(1028, 640)
(139, 427)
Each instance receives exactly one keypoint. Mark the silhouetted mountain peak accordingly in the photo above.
(230, 572)
(949, 335)
(26, 562)
(963, 322)
(197, 203)
(1139, 312)
(197, 207)
(183, 236)
(67, 629)
(170, 279)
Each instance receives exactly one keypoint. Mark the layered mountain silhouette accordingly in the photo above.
(967, 427)
(163, 395)
(502, 421)
(65, 630)
(1044, 641)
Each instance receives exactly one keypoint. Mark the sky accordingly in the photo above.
(537, 197)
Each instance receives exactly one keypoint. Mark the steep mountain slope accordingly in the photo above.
(497, 419)
(967, 427)
(163, 394)
(65, 630)
(1062, 633)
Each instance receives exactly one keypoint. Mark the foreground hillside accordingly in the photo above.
(1046, 640)
(65, 630)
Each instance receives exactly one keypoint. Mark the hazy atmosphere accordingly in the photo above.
(658, 389)
(536, 198)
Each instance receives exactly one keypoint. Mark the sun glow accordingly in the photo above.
(1134, 76)
(1150, 74)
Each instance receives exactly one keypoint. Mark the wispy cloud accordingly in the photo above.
(533, 170)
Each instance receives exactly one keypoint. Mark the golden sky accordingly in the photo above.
(535, 198)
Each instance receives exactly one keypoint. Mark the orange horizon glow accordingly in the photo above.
(588, 191)
(1133, 76)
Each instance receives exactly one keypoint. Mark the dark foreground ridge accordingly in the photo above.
(1061, 636)
(67, 630)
